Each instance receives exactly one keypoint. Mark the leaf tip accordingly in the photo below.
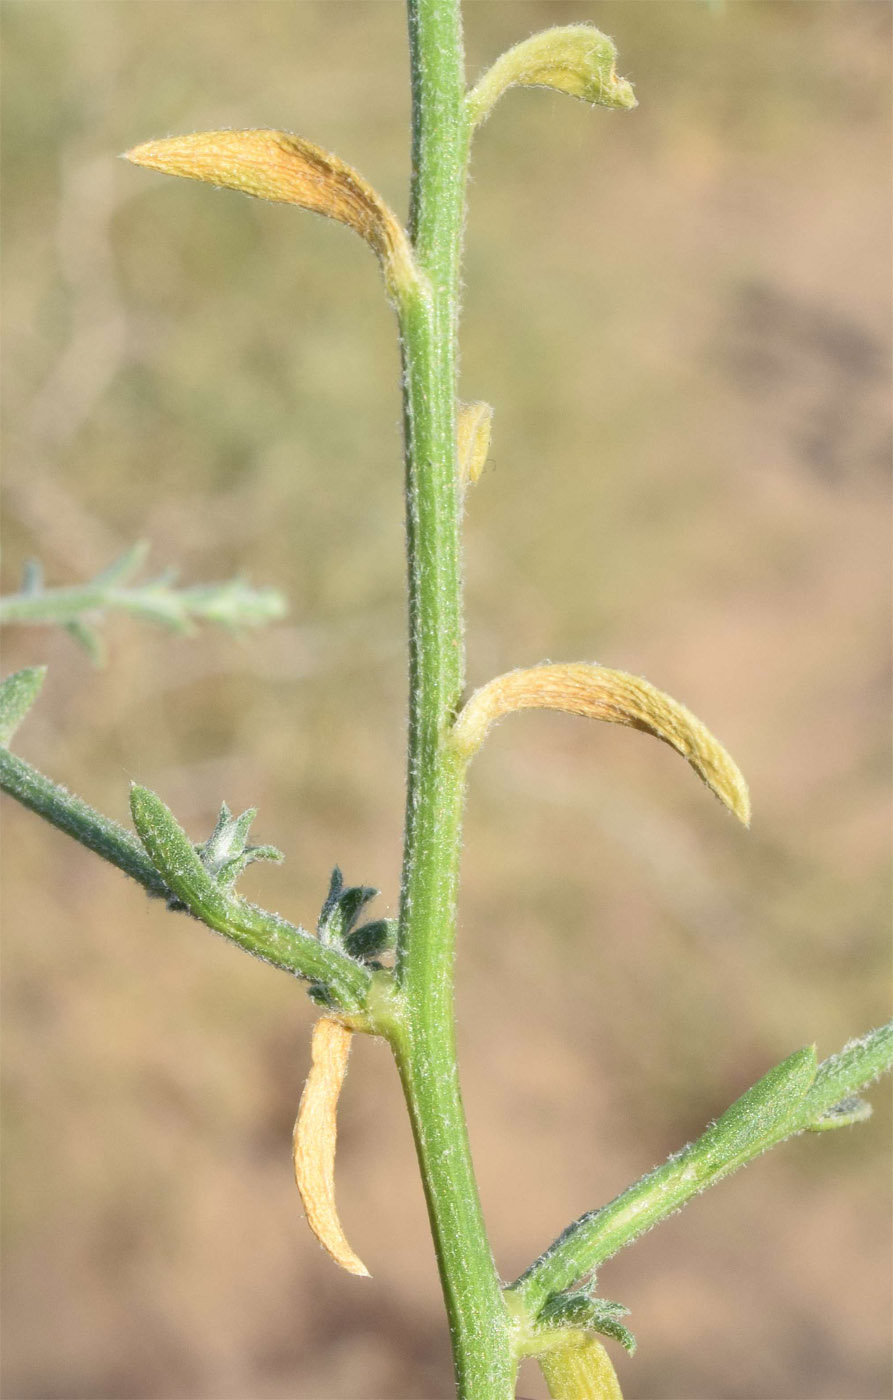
(18, 693)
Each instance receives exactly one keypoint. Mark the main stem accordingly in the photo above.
(425, 1045)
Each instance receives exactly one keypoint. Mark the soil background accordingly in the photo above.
(681, 316)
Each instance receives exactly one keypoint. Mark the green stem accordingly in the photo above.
(425, 1046)
(76, 818)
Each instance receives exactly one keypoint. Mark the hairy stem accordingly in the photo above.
(76, 818)
(425, 1048)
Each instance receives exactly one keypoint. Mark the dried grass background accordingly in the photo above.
(681, 317)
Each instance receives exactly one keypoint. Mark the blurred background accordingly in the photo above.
(681, 316)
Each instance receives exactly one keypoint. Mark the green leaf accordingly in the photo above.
(231, 604)
(128, 563)
(343, 906)
(226, 853)
(175, 857)
(579, 1309)
(330, 904)
(754, 1118)
(854, 1067)
(88, 639)
(371, 940)
(17, 694)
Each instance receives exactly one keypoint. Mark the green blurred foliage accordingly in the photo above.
(680, 317)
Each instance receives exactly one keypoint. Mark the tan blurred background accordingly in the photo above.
(681, 317)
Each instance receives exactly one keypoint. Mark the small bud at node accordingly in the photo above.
(473, 431)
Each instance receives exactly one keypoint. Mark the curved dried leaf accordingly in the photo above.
(314, 1141)
(576, 59)
(277, 166)
(582, 1370)
(597, 692)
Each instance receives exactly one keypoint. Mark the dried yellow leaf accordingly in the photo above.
(581, 1371)
(278, 166)
(599, 693)
(473, 428)
(314, 1141)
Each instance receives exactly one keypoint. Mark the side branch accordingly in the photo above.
(795, 1097)
(263, 934)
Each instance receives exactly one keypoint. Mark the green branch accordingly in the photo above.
(794, 1097)
(232, 604)
(198, 880)
(68, 813)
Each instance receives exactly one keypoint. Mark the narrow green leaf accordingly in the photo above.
(343, 906)
(371, 940)
(88, 639)
(755, 1117)
(226, 853)
(175, 857)
(17, 694)
(231, 870)
(128, 563)
(351, 905)
(579, 1309)
(856, 1066)
(330, 905)
(32, 576)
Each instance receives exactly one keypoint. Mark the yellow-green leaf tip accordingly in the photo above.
(576, 59)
